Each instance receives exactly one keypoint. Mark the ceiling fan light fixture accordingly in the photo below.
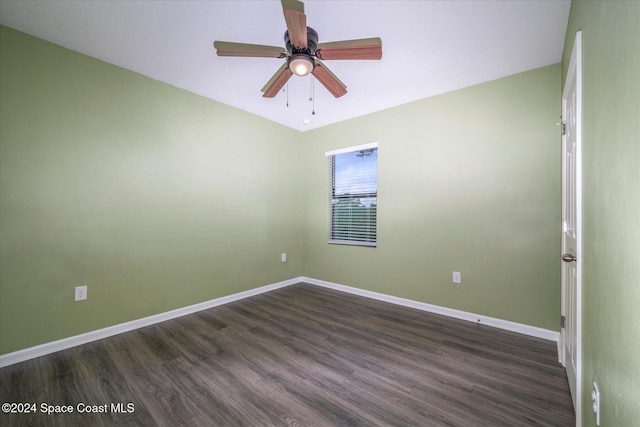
(301, 64)
(301, 50)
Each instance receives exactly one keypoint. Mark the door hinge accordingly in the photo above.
(563, 321)
(564, 127)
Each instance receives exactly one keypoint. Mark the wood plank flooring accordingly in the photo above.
(301, 355)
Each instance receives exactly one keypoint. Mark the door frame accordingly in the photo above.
(574, 72)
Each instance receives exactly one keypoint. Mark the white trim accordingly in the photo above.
(65, 343)
(352, 243)
(575, 71)
(458, 314)
(578, 44)
(560, 344)
(351, 149)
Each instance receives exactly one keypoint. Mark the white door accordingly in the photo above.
(571, 224)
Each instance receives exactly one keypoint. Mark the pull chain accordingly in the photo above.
(287, 90)
(313, 96)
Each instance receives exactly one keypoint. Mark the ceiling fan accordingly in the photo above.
(303, 53)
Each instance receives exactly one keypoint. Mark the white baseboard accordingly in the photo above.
(65, 343)
(471, 317)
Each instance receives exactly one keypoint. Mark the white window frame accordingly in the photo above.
(330, 155)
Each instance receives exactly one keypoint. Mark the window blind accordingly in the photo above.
(354, 195)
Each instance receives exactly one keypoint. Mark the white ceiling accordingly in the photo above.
(429, 47)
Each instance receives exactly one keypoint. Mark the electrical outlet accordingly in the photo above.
(283, 257)
(595, 399)
(457, 277)
(81, 293)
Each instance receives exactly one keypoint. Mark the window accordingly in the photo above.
(354, 195)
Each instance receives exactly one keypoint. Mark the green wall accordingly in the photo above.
(611, 206)
(468, 181)
(157, 198)
(152, 196)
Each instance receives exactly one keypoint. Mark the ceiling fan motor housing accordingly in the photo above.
(312, 43)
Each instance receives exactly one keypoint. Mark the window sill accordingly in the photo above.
(353, 243)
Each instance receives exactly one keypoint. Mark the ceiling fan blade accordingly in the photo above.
(252, 50)
(329, 80)
(277, 81)
(351, 49)
(296, 22)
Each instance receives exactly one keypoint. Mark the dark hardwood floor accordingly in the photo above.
(300, 355)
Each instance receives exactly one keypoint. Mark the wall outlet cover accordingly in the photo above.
(81, 293)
